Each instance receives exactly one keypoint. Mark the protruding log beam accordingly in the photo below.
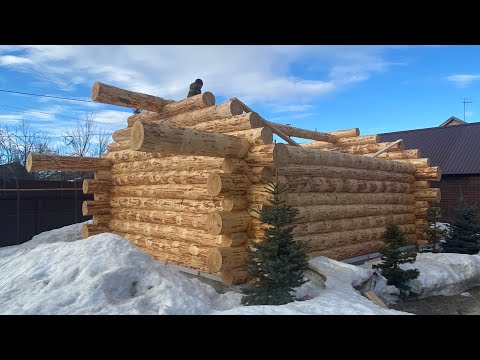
(219, 184)
(419, 163)
(349, 141)
(255, 137)
(90, 230)
(220, 223)
(179, 191)
(234, 239)
(421, 184)
(174, 218)
(40, 162)
(403, 154)
(342, 172)
(93, 186)
(260, 155)
(345, 133)
(192, 103)
(225, 258)
(285, 155)
(421, 204)
(234, 276)
(164, 138)
(430, 174)
(188, 119)
(170, 163)
(101, 219)
(95, 208)
(430, 195)
(235, 166)
(235, 123)
(180, 205)
(108, 94)
(118, 146)
(121, 135)
(305, 134)
(161, 178)
(234, 203)
(102, 175)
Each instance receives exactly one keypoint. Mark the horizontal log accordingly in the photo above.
(118, 146)
(421, 184)
(349, 251)
(260, 155)
(307, 199)
(224, 258)
(285, 155)
(322, 184)
(91, 229)
(220, 222)
(159, 177)
(367, 149)
(121, 135)
(421, 204)
(101, 220)
(234, 239)
(349, 141)
(345, 133)
(342, 172)
(175, 218)
(130, 155)
(404, 154)
(235, 166)
(219, 184)
(236, 123)
(430, 174)
(259, 174)
(255, 137)
(191, 118)
(170, 163)
(419, 163)
(430, 195)
(112, 95)
(192, 103)
(103, 196)
(95, 208)
(421, 212)
(234, 203)
(234, 276)
(305, 134)
(167, 232)
(40, 162)
(164, 138)
(190, 191)
(103, 175)
(92, 186)
(180, 205)
(256, 228)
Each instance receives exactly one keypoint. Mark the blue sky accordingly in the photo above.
(375, 88)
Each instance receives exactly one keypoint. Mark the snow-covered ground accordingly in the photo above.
(59, 273)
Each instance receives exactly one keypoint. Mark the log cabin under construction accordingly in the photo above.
(184, 179)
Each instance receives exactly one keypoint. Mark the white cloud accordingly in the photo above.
(7, 60)
(463, 80)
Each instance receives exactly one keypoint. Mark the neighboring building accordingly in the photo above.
(456, 149)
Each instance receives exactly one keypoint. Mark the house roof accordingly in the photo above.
(452, 118)
(456, 149)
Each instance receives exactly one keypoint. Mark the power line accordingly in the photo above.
(47, 96)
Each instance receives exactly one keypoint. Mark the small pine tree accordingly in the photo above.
(392, 257)
(277, 264)
(464, 234)
(434, 233)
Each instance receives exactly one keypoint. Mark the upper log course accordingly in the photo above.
(358, 140)
(40, 162)
(306, 134)
(365, 149)
(164, 138)
(236, 123)
(170, 163)
(345, 133)
(255, 137)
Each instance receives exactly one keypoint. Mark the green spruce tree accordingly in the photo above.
(275, 265)
(464, 234)
(392, 257)
(434, 233)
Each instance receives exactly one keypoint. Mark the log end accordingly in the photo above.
(255, 120)
(236, 107)
(439, 173)
(137, 136)
(85, 208)
(280, 155)
(214, 184)
(214, 223)
(234, 276)
(95, 90)
(84, 231)
(214, 260)
(266, 136)
(208, 99)
(29, 163)
(85, 186)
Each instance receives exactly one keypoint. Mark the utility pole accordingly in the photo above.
(465, 102)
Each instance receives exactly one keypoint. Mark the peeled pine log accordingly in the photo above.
(234, 203)
(117, 146)
(92, 186)
(349, 251)
(310, 214)
(220, 222)
(112, 95)
(164, 138)
(104, 196)
(322, 184)
(345, 133)
(433, 173)
(366, 149)
(421, 184)
(256, 228)
(130, 155)
(90, 230)
(419, 163)
(102, 175)
(317, 242)
(121, 135)
(101, 220)
(236, 123)
(166, 232)
(404, 154)
(260, 174)
(358, 140)
(190, 192)
(180, 205)
(255, 137)
(344, 173)
(187, 119)
(174, 218)
(306, 134)
(306, 199)
(286, 155)
(40, 162)
(225, 258)
(192, 103)
(161, 178)
(234, 276)
(430, 195)
(95, 208)
(260, 155)
(171, 163)
(235, 166)
(219, 184)
(421, 204)
(233, 239)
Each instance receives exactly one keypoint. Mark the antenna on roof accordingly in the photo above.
(465, 102)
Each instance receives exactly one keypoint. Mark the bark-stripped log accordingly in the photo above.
(104, 196)
(220, 223)
(187, 119)
(430, 173)
(349, 251)
(430, 195)
(367, 149)
(170, 163)
(233, 239)
(40, 162)
(190, 192)
(234, 203)
(91, 229)
(101, 219)
(345, 133)
(255, 137)
(260, 155)
(421, 204)
(174, 218)
(235, 166)
(159, 178)
(130, 155)
(224, 258)
(102, 175)
(95, 208)
(419, 163)
(305, 134)
(164, 138)
(180, 205)
(235, 123)
(219, 184)
(118, 146)
(108, 94)
(421, 184)
(92, 186)
(121, 135)
(260, 174)
(234, 276)
(404, 154)
(358, 140)
(285, 155)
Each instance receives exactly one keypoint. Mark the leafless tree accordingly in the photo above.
(78, 139)
(101, 141)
